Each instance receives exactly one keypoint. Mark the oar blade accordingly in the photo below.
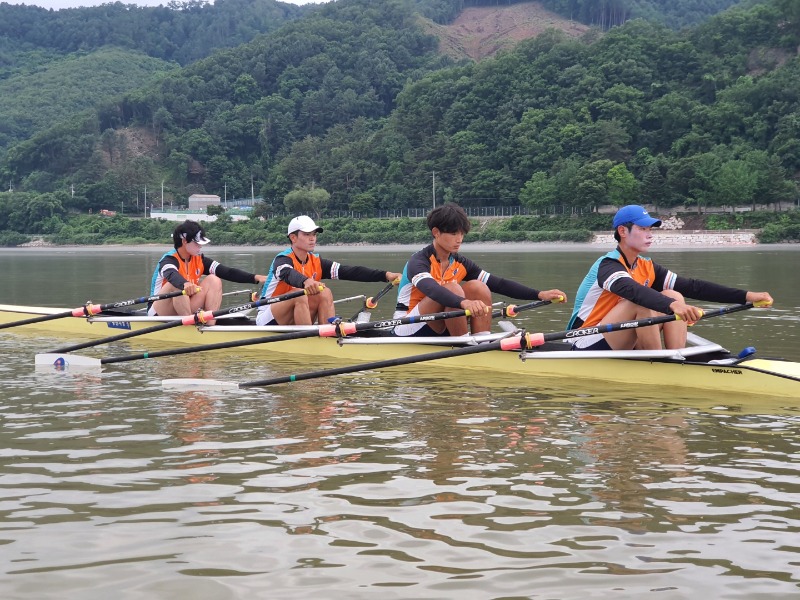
(198, 385)
(63, 361)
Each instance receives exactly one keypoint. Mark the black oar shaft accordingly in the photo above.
(292, 335)
(197, 319)
(333, 330)
(381, 364)
(90, 309)
(611, 327)
(523, 342)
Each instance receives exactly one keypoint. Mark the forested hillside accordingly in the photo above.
(66, 86)
(182, 31)
(355, 99)
(675, 14)
(55, 64)
(230, 116)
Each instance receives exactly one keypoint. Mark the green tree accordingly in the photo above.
(307, 200)
(622, 185)
(592, 184)
(539, 191)
(733, 184)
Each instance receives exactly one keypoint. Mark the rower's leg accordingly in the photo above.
(427, 306)
(675, 331)
(210, 292)
(292, 312)
(627, 339)
(169, 307)
(477, 290)
(321, 306)
(208, 298)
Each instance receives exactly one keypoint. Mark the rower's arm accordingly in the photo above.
(613, 277)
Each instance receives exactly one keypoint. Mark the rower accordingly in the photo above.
(183, 268)
(298, 267)
(438, 278)
(623, 285)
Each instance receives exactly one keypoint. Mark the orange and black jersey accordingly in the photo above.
(424, 276)
(612, 277)
(173, 269)
(287, 272)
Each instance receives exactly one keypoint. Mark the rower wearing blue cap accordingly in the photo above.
(622, 285)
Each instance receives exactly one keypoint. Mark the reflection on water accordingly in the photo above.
(405, 483)
(382, 484)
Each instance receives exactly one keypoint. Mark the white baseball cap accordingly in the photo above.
(303, 223)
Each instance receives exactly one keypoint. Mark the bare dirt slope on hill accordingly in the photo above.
(479, 32)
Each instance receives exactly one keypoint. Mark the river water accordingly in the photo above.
(400, 483)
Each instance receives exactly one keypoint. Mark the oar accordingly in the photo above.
(522, 342)
(348, 299)
(330, 330)
(199, 318)
(91, 309)
(371, 303)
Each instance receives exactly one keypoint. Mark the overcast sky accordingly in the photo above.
(76, 3)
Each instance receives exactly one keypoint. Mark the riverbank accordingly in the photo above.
(332, 251)
(672, 239)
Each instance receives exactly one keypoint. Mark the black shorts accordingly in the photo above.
(598, 345)
(426, 331)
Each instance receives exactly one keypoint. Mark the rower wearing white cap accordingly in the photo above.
(183, 268)
(298, 267)
(623, 285)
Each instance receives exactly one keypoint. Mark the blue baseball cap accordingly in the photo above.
(635, 214)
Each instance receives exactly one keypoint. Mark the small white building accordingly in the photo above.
(201, 201)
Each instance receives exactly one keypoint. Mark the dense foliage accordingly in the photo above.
(609, 13)
(59, 228)
(65, 86)
(354, 99)
(604, 14)
(182, 31)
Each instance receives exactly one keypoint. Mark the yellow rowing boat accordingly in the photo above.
(702, 366)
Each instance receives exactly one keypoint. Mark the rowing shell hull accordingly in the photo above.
(662, 369)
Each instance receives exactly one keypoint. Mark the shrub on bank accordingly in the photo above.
(83, 229)
(12, 238)
(775, 233)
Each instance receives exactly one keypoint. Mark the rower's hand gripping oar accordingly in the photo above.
(198, 318)
(339, 330)
(90, 309)
(523, 342)
(371, 303)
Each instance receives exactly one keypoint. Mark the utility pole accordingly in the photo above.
(162, 195)
(225, 195)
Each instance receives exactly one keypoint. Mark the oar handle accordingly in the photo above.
(513, 310)
(90, 309)
(204, 316)
(531, 340)
(93, 309)
(344, 329)
(373, 302)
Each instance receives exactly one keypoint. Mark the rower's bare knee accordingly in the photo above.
(477, 290)
(672, 294)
